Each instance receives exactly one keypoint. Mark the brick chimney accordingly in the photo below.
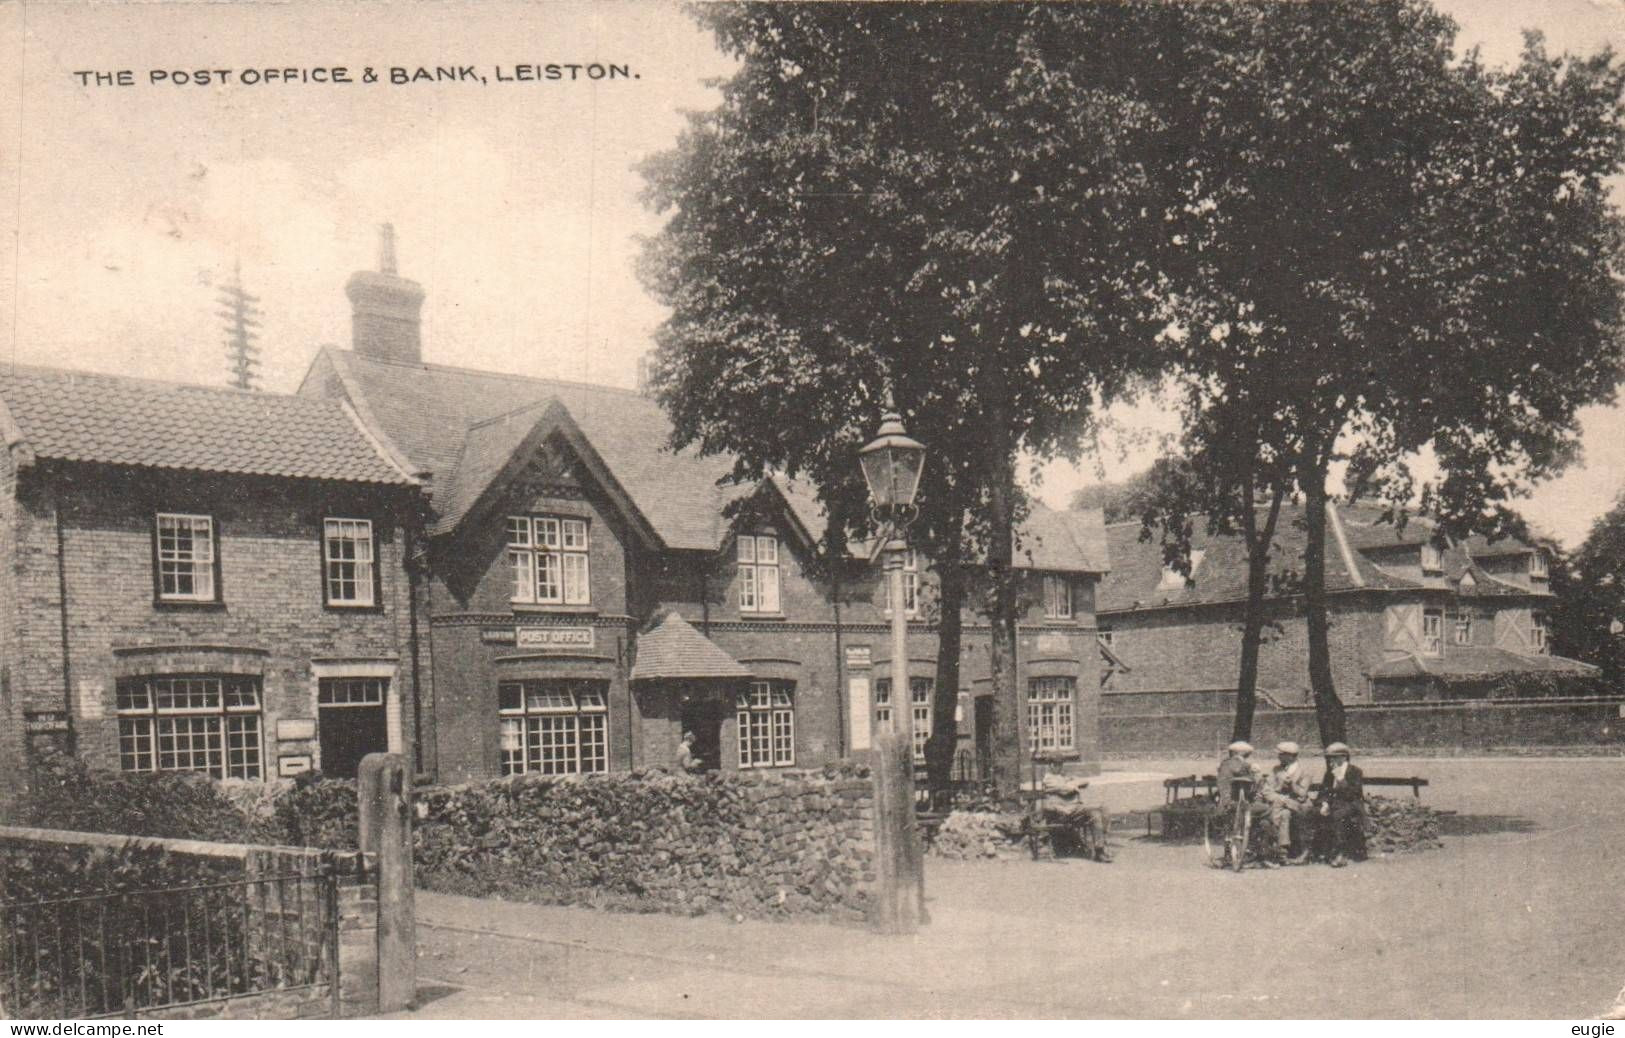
(385, 307)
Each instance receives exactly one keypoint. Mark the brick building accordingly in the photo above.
(199, 579)
(1410, 621)
(589, 600)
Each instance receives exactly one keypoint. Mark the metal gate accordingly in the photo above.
(132, 953)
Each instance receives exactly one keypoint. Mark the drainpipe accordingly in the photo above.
(840, 666)
(705, 597)
(413, 646)
(62, 594)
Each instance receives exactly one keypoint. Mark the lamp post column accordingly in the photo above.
(901, 857)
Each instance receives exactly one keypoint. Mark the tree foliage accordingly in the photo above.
(905, 203)
(1588, 618)
(1380, 250)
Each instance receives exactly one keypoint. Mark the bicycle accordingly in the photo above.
(1237, 842)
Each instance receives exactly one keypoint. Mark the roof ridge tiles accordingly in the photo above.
(461, 370)
(504, 416)
(25, 370)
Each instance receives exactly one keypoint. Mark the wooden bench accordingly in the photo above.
(1204, 796)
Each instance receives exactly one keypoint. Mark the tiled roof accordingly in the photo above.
(1064, 541)
(1074, 541)
(428, 409)
(1136, 574)
(117, 420)
(1365, 528)
(463, 427)
(676, 650)
(1468, 662)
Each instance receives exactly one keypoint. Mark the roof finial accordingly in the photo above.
(386, 248)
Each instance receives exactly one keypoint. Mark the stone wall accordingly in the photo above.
(1184, 723)
(754, 844)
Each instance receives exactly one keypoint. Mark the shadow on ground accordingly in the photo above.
(1484, 825)
(429, 993)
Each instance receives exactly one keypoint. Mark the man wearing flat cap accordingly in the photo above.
(1286, 795)
(1237, 766)
(1341, 808)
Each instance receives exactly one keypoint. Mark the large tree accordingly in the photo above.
(904, 203)
(1423, 246)
(1588, 617)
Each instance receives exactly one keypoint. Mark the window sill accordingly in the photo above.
(183, 604)
(743, 616)
(528, 608)
(347, 607)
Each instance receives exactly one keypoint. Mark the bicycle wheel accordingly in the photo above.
(1243, 827)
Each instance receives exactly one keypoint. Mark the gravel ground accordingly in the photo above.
(1516, 917)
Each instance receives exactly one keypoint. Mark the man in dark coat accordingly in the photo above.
(1340, 808)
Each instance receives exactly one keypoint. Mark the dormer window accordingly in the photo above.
(1539, 569)
(1057, 597)
(758, 573)
(1433, 632)
(1432, 558)
(1173, 580)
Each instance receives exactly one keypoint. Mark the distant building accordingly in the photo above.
(1410, 621)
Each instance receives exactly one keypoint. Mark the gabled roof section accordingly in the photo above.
(1136, 574)
(1069, 541)
(675, 649)
(499, 448)
(117, 420)
(1366, 530)
(425, 410)
(1351, 533)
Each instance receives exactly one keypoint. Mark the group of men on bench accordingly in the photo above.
(1305, 820)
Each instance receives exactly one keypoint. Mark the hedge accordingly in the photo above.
(760, 844)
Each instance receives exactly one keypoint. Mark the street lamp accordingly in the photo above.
(892, 464)
(891, 467)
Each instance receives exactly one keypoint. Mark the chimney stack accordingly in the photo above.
(385, 308)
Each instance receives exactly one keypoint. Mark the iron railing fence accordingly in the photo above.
(124, 953)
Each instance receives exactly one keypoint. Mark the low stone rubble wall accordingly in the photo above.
(1400, 825)
(980, 836)
(752, 844)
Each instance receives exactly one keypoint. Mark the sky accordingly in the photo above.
(516, 203)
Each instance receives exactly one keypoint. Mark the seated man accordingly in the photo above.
(1341, 808)
(1062, 805)
(1286, 797)
(688, 758)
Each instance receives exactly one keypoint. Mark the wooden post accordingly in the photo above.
(384, 788)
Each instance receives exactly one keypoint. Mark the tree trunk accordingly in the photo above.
(1252, 634)
(1007, 720)
(1328, 708)
(944, 740)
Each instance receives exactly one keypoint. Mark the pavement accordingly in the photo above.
(1516, 917)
